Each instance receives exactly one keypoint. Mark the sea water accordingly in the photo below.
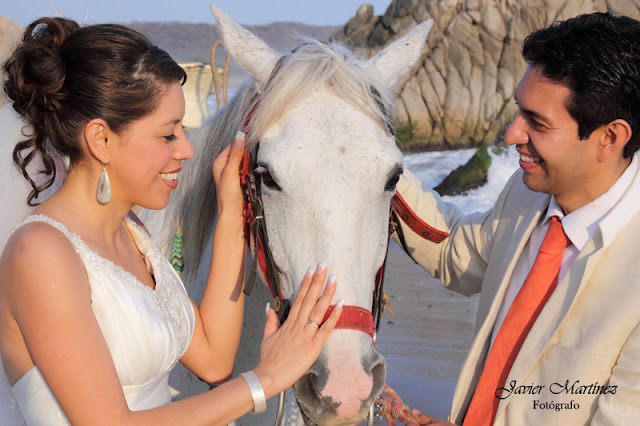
(433, 167)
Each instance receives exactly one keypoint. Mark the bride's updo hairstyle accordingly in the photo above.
(62, 75)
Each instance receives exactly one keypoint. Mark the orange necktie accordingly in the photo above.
(535, 291)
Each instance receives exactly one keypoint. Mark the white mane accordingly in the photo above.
(310, 67)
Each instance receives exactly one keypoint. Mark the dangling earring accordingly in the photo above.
(104, 186)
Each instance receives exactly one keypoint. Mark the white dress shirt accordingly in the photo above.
(579, 226)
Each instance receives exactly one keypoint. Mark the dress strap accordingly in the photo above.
(75, 239)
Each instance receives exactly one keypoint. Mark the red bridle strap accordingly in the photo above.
(414, 222)
(248, 212)
(250, 233)
(354, 318)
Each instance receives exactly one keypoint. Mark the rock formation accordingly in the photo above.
(472, 174)
(460, 94)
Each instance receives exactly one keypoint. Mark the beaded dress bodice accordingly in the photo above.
(147, 330)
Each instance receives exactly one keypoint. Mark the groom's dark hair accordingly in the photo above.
(597, 57)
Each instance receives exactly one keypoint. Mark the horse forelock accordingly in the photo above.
(313, 66)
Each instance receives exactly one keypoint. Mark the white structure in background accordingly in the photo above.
(198, 87)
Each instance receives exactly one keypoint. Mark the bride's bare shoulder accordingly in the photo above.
(36, 235)
(37, 252)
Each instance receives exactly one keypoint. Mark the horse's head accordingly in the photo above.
(328, 165)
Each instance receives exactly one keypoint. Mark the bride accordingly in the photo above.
(92, 318)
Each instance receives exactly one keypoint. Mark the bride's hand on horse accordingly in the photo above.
(289, 351)
(424, 419)
(226, 169)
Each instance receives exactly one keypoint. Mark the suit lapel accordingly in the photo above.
(504, 259)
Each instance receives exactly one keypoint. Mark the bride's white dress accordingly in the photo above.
(147, 330)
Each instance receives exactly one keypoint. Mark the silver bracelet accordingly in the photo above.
(257, 393)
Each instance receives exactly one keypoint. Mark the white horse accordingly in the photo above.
(328, 166)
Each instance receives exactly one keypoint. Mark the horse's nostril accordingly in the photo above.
(379, 375)
(379, 371)
(306, 389)
(375, 364)
(307, 382)
(309, 396)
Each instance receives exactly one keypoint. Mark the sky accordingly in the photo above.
(248, 12)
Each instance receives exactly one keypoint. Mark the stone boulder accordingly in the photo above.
(359, 27)
(460, 94)
(472, 174)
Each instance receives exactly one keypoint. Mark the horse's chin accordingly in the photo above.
(335, 422)
(330, 417)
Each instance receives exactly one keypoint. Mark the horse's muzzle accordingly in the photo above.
(343, 383)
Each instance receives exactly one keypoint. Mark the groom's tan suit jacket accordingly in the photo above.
(584, 346)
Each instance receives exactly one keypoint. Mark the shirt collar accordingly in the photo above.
(581, 224)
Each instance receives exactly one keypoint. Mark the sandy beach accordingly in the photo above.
(426, 342)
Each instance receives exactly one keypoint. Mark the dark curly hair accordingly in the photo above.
(597, 57)
(62, 75)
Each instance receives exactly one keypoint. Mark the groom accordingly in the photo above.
(557, 336)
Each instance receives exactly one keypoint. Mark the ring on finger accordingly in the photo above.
(314, 324)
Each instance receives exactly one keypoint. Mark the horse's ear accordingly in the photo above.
(401, 55)
(249, 51)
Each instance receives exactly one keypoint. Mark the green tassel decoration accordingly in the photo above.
(176, 254)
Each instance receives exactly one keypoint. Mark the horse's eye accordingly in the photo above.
(391, 183)
(267, 179)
